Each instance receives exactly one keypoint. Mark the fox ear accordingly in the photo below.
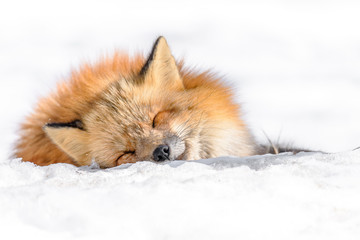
(70, 138)
(160, 68)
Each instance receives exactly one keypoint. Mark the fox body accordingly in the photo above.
(124, 110)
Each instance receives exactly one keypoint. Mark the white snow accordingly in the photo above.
(295, 67)
(307, 196)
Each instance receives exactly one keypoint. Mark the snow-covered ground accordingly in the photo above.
(295, 67)
(309, 196)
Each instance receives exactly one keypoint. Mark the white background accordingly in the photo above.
(294, 64)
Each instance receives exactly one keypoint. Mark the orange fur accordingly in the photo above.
(78, 96)
(71, 98)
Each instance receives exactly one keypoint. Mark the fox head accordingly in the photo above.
(154, 115)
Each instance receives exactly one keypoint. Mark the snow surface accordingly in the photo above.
(295, 68)
(307, 196)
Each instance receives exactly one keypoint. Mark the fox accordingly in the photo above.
(126, 109)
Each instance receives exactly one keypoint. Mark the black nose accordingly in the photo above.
(161, 153)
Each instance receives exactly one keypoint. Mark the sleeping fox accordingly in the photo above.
(124, 110)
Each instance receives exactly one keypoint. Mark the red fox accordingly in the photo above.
(124, 110)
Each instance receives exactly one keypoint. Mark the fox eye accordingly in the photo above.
(125, 157)
(159, 118)
(154, 121)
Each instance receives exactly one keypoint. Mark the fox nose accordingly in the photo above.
(161, 153)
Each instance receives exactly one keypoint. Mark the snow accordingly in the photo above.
(307, 196)
(295, 68)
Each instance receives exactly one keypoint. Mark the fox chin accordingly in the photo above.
(128, 109)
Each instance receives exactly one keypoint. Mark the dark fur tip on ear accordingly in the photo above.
(74, 124)
(151, 56)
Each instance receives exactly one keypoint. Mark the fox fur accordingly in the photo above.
(124, 110)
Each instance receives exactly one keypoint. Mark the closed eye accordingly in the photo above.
(124, 154)
(154, 119)
(161, 117)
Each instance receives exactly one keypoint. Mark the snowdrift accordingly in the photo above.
(303, 196)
